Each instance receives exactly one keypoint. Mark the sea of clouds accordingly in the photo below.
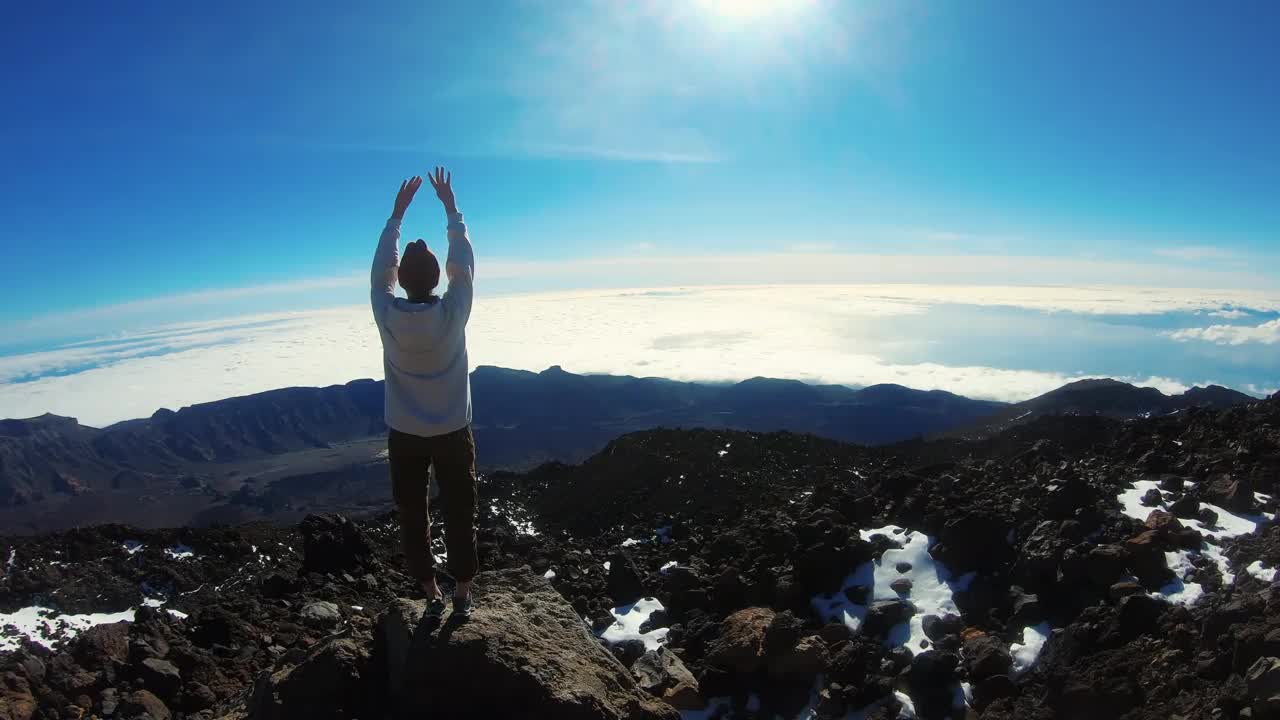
(926, 337)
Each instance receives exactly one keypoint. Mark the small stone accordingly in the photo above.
(884, 614)
(1124, 589)
(1152, 498)
(1185, 507)
(937, 627)
(1207, 517)
(161, 677)
(985, 657)
(628, 651)
(904, 567)
(857, 594)
(321, 613)
(902, 586)
(1163, 520)
(145, 704)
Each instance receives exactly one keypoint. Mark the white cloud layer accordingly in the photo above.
(1055, 284)
(729, 333)
(1268, 333)
(1197, 254)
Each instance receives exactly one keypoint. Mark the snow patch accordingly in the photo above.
(932, 587)
(1229, 525)
(630, 542)
(524, 527)
(1180, 591)
(13, 557)
(1257, 570)
(44, 626)
(1025, 653)
(132, 546)
(908, 708)
(668, 566)
(550, 574)
(627, 622)
(180, 552)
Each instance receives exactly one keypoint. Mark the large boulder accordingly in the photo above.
(883, 615)
(740, 647)
(624, 584)
(333, 544)
(524, 649)
(1231, 493)
(330, 683)
(321, 614)
(16, 700)
(142, 704)
(661, 673)
(1144, 554)
(986, 656)
(974, 541)
(161, 677)
(1263, 679)
(809, 656)
(103, 645)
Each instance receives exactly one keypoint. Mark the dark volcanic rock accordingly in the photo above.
(884, 614)
(276, 633)
(975, 541)
(334, 544)
(161, 677)
(661, 673)
(1105, 564)
(1232, 493)
(1145, 556)
(523, 644)
(624, 584)
(740, 647)
(329, 683)
(986, 656)
(145, 705)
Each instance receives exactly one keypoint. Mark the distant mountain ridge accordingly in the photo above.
(1105, 397)
(522, 418)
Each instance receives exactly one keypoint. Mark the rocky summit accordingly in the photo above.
(1073, 567)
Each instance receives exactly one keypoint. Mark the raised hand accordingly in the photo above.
(408, 189)
(441, 180)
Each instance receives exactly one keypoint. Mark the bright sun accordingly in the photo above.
(749, 10)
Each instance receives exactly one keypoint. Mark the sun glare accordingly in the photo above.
(752, 10)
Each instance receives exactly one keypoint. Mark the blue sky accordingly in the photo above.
(165, 163)
(153, 150)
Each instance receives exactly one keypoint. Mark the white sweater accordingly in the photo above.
(424, 345)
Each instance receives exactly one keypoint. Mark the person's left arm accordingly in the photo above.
(386, 259)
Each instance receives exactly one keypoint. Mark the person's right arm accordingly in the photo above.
(386, 258)
(460, 266)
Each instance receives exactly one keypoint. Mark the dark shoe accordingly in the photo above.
(435, 608)
(462, 607)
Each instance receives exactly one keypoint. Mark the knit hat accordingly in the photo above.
(419, 270)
